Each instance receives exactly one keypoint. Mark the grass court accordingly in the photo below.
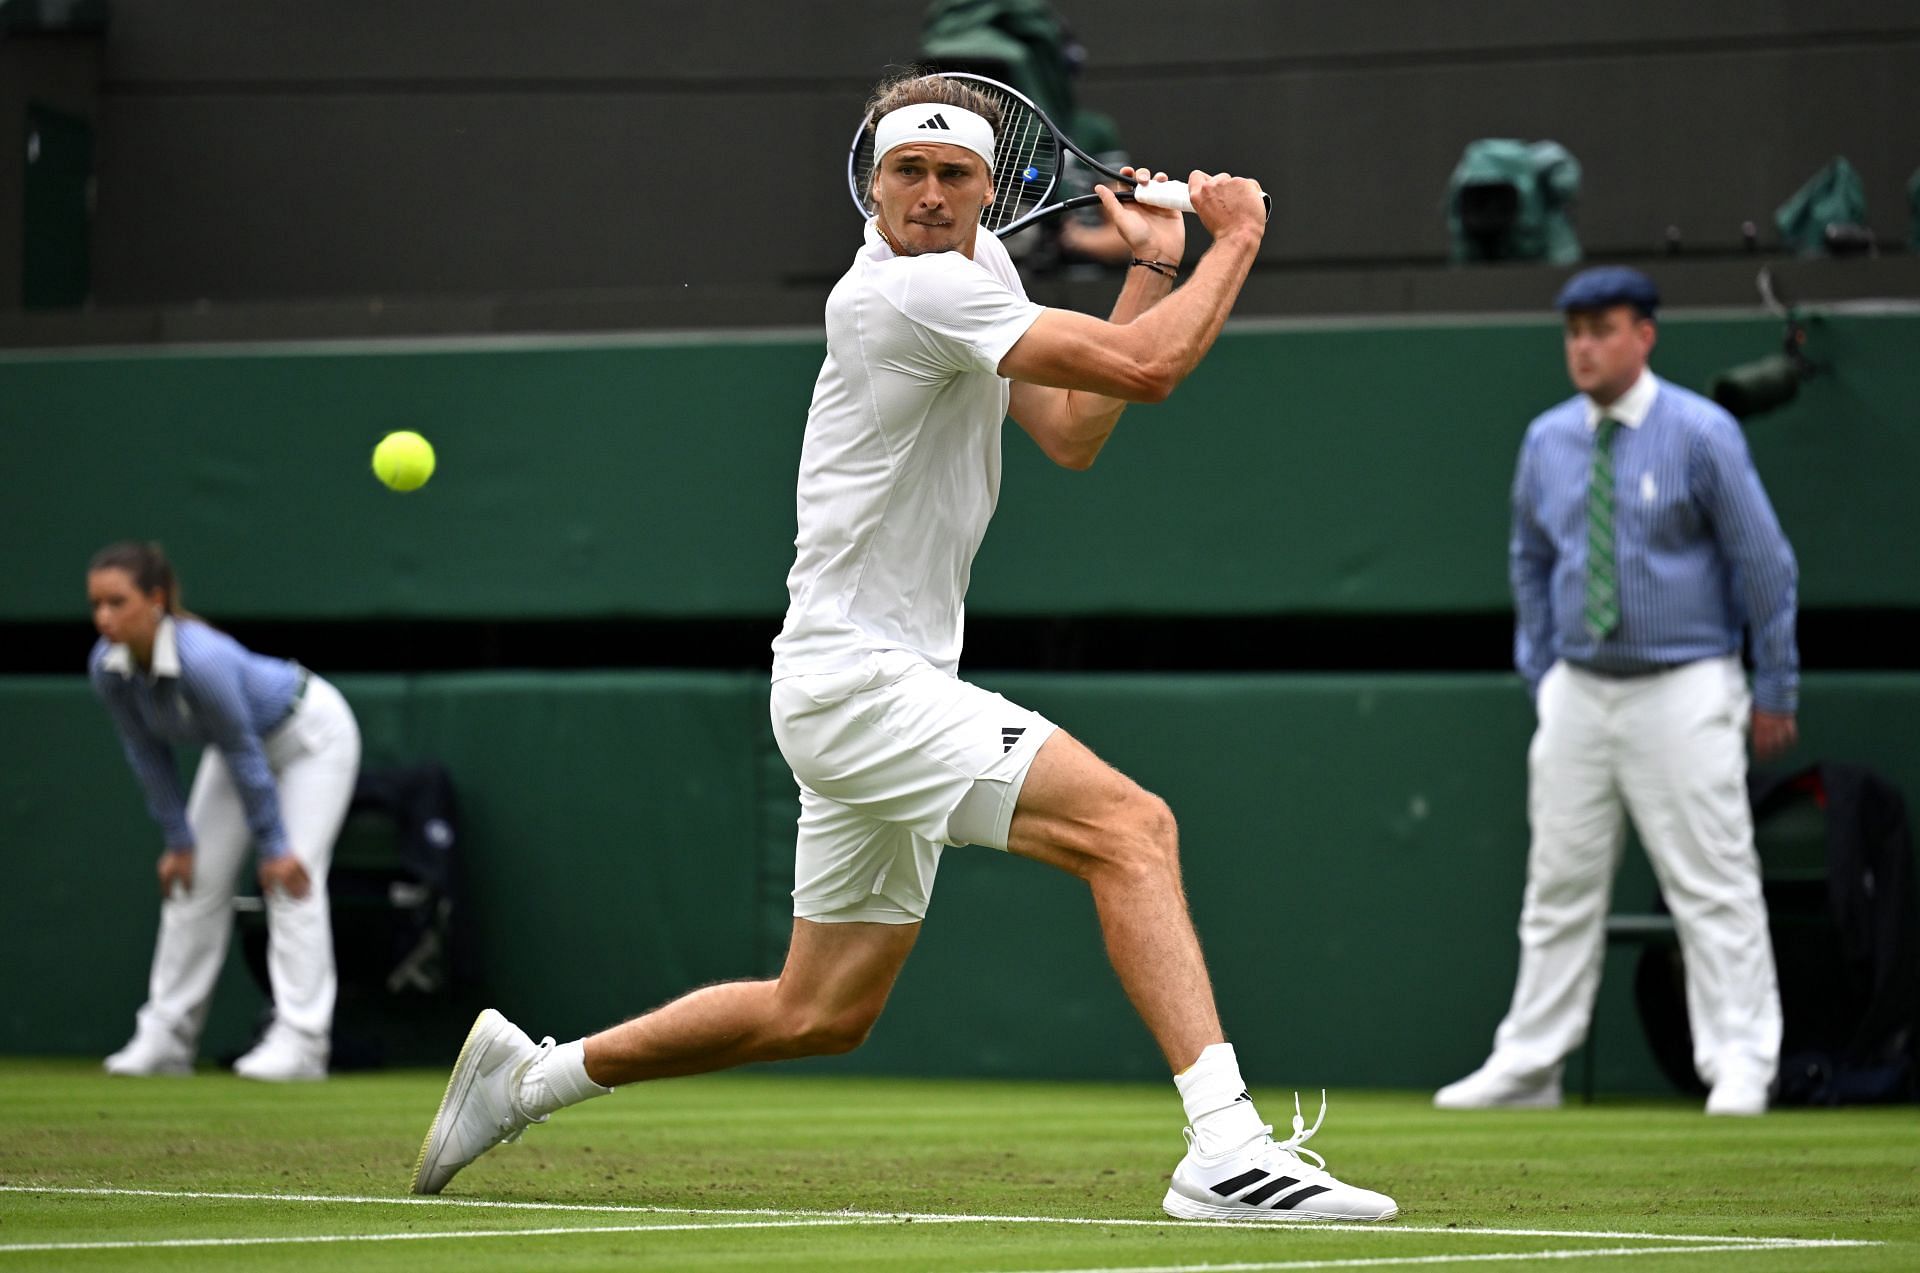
(771, 1170)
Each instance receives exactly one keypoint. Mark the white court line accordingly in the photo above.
(606, 1208)
(146, 1243)
(1410, 1261)
(769, 1218)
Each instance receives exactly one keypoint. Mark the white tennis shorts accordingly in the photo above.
(895, 759)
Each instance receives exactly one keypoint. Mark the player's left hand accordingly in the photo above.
(286, 874)
(1152, 234)
(1773, 733)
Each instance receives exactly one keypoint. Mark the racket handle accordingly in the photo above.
(1165, 194)
(1175, 195)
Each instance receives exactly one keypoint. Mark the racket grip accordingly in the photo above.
(1175, 195)
(1165, 194)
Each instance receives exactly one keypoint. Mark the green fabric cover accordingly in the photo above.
(1545, 178)
(1026, 37)
(1832, 196)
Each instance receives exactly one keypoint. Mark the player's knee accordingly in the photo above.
(841, 1033)
(1154, 831)
(829, 1033)
(1143, 839)
(1159, 826)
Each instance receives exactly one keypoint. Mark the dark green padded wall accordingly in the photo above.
(611, 826)
(1353, 849)
(1303, 469)
(1353, 843)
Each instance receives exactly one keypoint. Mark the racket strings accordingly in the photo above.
(1027, 167)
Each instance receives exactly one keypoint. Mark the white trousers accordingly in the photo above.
(1670, 750)
(315, 757)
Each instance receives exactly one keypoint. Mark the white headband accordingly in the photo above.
(932, 122)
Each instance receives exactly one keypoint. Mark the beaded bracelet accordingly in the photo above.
(1166, 269)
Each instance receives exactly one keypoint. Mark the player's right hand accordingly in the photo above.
(1226, 203)
(176, 871)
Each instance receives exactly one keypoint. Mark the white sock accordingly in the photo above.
(1218, 1107)
(557, 1080)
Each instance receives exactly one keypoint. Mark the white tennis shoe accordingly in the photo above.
(1738, 1095)
(150, 1053)
(1269, 1181)
(482, 1106)
(284, 1055)
(1490, 1087)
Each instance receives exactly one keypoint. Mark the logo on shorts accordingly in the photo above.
(1009, 735)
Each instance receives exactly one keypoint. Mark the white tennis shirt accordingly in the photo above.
(900, 469)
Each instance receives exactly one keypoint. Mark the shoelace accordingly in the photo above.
(516, 1120)
(1292, 1145)
(1295, 1144)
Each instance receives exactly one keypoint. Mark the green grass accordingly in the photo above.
(788, 1143)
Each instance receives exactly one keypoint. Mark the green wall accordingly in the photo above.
(1354, 843)
(1353, 850)
(1302, 470)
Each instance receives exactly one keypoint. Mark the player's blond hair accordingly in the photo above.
(914, 86)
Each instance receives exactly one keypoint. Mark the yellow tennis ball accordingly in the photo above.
(403, 460)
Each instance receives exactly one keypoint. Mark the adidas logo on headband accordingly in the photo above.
(956, 125)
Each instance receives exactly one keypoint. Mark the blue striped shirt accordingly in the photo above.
(204, 689)
(1700, 553)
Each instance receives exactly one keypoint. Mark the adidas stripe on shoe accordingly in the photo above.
(1270, 1182)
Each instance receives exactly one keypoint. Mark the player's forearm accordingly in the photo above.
(1091, 416)
(1142, 290)
(1143, 360)
(1175, 334)
(1070, 426)
(1090, 421)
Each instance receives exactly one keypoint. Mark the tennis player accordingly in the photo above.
(931, 343)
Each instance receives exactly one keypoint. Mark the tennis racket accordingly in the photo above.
(1026, 170)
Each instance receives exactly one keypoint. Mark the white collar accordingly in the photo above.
(166, 653)
(1631, 407)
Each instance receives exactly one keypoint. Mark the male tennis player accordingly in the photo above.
(931, 342)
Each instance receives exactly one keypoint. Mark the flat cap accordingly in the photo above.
(1609, 285)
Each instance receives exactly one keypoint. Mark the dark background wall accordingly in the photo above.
(591, 163)
(40, 70)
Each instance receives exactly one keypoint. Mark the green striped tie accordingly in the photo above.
(1603, 593)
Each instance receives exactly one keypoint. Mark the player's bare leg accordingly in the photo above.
(1080, 814)
(827, 997)
(825, 1000)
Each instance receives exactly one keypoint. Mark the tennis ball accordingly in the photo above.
(403, 460)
